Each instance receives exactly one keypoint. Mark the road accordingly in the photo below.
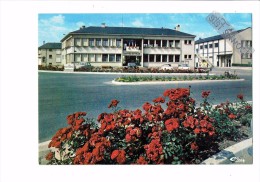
(61, 94)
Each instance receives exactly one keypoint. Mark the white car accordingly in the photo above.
(166, 67)
(183, 67)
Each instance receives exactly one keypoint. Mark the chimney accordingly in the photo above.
(103, 25)
(178, 28)
(82, 27)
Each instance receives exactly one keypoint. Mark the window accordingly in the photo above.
(50, 56)
(177, 43)
(206, 46)
(216, 45)
(243, 55)
(112, 42)
(151, 59)
(164, 58)
(177, 58)
(118, 42)
(201, 47)
(105, 58)
(170, 58)
(164, 43)
(91, 42)
(98, 42)
(210, 45)
(187, 56)
(158, 58)
(249, 43)
(146, 58)
(77, 42)
(187, 41)
(171, 43)
(98, 57)
(85, 42)
(50, 50)
(91, 57)
(105, 42)
(112, 58)
(118, 58)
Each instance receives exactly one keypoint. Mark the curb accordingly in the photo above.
(119, 73)
(171, 82)
(240, 153)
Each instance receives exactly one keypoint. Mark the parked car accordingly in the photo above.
(183, 67)
(131, 65)
(166, 67)
(82, 64)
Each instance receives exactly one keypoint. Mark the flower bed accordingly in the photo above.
(175, 78)
(136, 70)
(179, 134)
(51, 68)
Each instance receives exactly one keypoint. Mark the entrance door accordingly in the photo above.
(132, 59)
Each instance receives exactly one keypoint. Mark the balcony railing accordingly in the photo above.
(132, 50)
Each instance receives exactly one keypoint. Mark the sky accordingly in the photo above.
(53, 27)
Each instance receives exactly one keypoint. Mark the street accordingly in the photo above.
(61, 94)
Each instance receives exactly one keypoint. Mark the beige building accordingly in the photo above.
(225, 52)
(50, 54)
(118, 46)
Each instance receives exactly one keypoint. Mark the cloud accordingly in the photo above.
(52, 29)
(80, 24)
(138, 23)
(59, 19)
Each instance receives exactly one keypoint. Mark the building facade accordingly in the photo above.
(224, 52)
(49, 54)
(118, 46)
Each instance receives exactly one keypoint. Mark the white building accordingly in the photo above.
(118, 46)
(222, 52)
(49, 54)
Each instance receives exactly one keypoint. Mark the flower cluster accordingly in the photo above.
(176, 133)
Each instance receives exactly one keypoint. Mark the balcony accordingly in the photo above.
(132, 50)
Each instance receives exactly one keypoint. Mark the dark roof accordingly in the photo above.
(129, 31)
(216, 37)
(51, 45)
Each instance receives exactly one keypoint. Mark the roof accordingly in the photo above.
(129, 31)
(51, 45)
(216, 37)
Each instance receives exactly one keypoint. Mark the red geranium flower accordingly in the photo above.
(141, 160)
(147, 106)
(205, 94)
(194, 146)
(159, 100)
(113, 103)
(240, 96)
(171, 124)
(196, 131)
(49, 156)
(119, 155)
(232, 116)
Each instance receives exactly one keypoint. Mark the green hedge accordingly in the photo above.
(242, 65)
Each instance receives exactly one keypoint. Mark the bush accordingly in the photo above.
(51, 68)
(179, 134)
